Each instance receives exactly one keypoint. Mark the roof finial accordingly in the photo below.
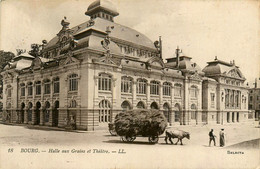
(216, 57)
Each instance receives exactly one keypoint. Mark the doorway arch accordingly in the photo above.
(37, 113)
(167, 112)
(55, 114)
(154, 105)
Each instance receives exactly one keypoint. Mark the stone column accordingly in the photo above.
(34, 114)
(134, 93)
(160, 95)
(51, 115)
(148, 106)
(41, 116)
(25, 116)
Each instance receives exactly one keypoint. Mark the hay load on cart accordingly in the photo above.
(140, 122)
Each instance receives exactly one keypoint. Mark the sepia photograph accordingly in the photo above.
(129, 84)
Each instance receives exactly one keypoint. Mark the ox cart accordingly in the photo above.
(139, 123)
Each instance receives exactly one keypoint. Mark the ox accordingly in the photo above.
(171, 134)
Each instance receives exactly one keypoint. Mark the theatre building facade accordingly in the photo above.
(89, 73)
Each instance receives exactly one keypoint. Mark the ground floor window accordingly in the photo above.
(125, 106)
(104, 111)
(140, 105)
(167, 112)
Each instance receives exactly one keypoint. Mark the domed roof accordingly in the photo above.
(102, 4)
(119, 32)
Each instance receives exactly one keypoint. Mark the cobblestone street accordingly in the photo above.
(101, 150)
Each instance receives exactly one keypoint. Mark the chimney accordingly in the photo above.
(177, 57)
(160, 41)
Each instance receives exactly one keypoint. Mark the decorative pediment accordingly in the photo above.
(69, 60)
(156, 62)
(195, 76)
(234, 73)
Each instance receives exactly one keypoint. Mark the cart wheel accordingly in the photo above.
(128, 138)
(153, 139)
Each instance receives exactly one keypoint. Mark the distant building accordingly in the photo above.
(254, 99)
(89, 73)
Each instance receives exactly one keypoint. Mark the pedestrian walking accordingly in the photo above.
(222, 138)
(212, 138)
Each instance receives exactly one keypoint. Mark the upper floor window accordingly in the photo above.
(212, 99)
(141, 86)
(154, 87)
(47, 86)
(193, 92)
(104, 82)
(22, 89)
(9, 91)
(73, 82)
(30, 89)
(38, 88)
(177, 90)
(167, 89)
(126, 85)
(56, 85)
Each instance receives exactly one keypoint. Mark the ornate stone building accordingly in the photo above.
(254, 99)
(87, 74)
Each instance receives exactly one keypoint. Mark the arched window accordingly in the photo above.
(166, 111)
(47, 111)
(38, 87)
(177, 90)
(140, 105)
(177, 113)
(126, 85)
(73, 104)
(104, 82)
(125, 106)
(154, 87)
(30, 89)
(154, 105)
(104, 111)
(193, 111)
(22, 85)
(167, 89)
(56, 85)
(47, 86)
(141, 86)
(73, 82)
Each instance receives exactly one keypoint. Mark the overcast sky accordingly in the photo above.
(202, 29)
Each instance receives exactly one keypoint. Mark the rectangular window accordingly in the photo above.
(30, 90)
(166, 89)
(141, 87)
(212, 99)
(38, 88)
(126, 85)
(22, 91)
(193, 92)
(9, 92)
(177, 91)
(56, 87)
(73, 84)
(47, 88)
(154, 88)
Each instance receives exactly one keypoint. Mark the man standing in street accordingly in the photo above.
(212, 137)
(222, 138)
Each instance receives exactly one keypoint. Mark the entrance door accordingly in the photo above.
(37, 113)
(55, 114)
